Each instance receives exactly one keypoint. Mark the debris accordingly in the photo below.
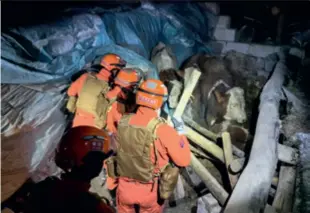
(237, 165)
(208, 204)
(263, 158)
(205, 144)
(287, 154)
(227, 147)
(215, 188)
(199, 152)
(283, 201)
(209, 134)
(188, 90)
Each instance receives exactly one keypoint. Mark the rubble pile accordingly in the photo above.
(218, 158)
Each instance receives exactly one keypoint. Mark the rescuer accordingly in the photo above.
(148, 154)
(80, 155)
(88, 94)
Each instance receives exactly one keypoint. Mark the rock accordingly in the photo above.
(208, 204)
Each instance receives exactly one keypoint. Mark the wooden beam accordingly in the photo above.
(251, 192)
(283, 201)
(205, 144)
(188, 90)
(215, 188)
(199, 152)
(237, 165)
(209, 134)
(227, 147)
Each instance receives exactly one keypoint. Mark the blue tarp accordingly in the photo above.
(55, 51)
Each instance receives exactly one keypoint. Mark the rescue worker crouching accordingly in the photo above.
(146, 145)
(80, 154)
(88, 94)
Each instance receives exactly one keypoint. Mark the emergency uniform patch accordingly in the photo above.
(95, 142)
(147, 100)
(182, 143)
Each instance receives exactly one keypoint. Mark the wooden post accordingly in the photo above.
(188, 90)
(283, 201)
(251, 192)
(227, 147)
(215, 188)
(205, 144)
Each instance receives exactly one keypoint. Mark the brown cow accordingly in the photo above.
(215, 98)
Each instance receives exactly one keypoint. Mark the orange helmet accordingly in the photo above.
(112, 61)
(152, 93)
(128, 78)
(77, 143)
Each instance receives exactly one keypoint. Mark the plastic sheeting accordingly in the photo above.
(55, 51)
(32, 119)
(31, 126)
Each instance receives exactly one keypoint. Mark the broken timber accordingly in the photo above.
(251, 192)
(215, 188)
(188, 90)
(227, 148)
(205, 144)
(283, 201)
(212, 136)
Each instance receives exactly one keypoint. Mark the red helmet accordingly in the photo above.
(112, 61)
(152, 93)
(77, 143)
(128, 77)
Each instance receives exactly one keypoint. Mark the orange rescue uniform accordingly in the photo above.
(81, 117)
(170, 146)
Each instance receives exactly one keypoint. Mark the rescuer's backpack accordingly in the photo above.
(92, 99)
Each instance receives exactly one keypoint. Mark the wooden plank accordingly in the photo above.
(283, 201)
(179, 192)
(209, 134)
(251, 192)
(227, 147)
(237, 165)
(215, 188)
(199, 152)
(275, 181)
(188, 90)
(205, 144)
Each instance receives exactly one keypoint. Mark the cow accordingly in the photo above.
(216, 99)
